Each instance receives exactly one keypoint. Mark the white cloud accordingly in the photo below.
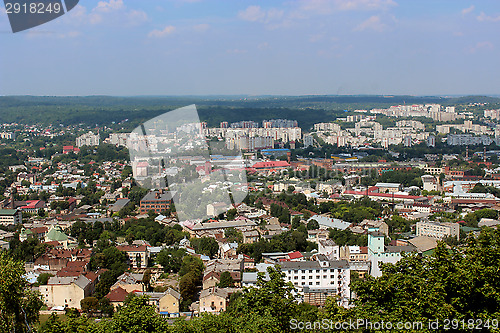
(466, 11)
(252, 14)
(257, 14)
(201, 27)
(113, 12)
(372, 23)
(263, 46)
(168, 30)
(481, 46)
(136, 17)
(485, 18)
(236, 51)
(328, 6)
(106, 7)
(32, 34)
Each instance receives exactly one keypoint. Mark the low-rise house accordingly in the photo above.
(167, 303)
(117, 297)
(66, 291)
(379, 225)
(329, 248)
(215, 300)
(138, 255)
(212, 279)
(250, 236)
(129, 282)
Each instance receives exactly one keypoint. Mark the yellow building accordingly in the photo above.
(66, 291)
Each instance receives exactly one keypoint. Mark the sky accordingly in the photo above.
(293, 47)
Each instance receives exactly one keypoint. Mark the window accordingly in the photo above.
(317, 283)
(310, 283)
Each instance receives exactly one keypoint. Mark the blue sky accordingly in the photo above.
(294, 47)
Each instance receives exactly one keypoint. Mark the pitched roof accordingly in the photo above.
(117, 295)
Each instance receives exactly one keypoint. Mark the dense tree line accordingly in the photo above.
(293, 240)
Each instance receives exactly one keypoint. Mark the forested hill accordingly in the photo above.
(105, 110)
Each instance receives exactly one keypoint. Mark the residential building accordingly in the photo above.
(138, 255)
(321, 275)
(167, 303)
(437, 230)
(10, 216)
(215, 300)
(88, 139)
(129, 282)
(157, 201)
(430, 183)
(66, 291)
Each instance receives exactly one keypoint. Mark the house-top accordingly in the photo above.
(138, 255)
(66, 291)
(157, 201)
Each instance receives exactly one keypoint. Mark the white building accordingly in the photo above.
(321, 276)
(430, 183)
(438, 230)
(88, 139)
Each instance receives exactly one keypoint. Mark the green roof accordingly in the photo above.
(55, 234)
(469, 229)
(8, 211)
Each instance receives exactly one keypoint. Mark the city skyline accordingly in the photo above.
(380, 47)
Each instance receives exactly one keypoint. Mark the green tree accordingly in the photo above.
(273, 298)
(205, 245)
(312, 225)
(43, 278)
(226, 280)
(19, 306)
(136, 316)
(171, 259)
(231, 214)
(89, 304)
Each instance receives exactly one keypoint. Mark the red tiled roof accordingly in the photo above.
(132, 248)
(384, 195)
(270, 165)
(295, 255)
(117, 295)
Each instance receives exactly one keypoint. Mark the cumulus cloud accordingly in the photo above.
(485, 18)
(481, 46)
(257, 14)
(467, 10)
(168, 30)
(113, 11)
(328, 6)
(373, 23)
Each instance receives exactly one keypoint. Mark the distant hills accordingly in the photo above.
(106, 110)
